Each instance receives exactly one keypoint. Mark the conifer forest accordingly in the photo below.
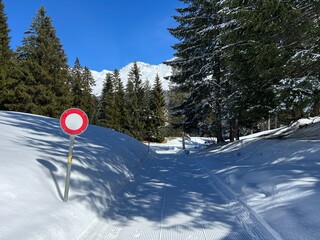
(239, 66)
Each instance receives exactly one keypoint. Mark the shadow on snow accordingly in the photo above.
(115, 180)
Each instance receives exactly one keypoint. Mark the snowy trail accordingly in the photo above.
(250, 220)
(176, 198)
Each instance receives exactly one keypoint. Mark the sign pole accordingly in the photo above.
(66, 189)
(73, 121)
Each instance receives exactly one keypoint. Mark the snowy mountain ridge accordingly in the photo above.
(148, 72)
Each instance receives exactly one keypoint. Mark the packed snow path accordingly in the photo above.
(177, 198)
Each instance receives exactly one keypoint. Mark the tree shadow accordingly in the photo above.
(168, 191)
(104, 161)
(113, 176)
(280, 179)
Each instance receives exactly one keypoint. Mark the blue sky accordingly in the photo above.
(103, 34)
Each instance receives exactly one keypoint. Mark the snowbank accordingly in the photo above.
(33, 164)
(174, 146)
(278, 179)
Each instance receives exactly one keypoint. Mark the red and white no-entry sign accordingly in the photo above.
(74, 121)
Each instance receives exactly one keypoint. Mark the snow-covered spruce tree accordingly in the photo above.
(261, 39)
(134, 102)
(298, 93)
(81, 83)
(5, 50)
(157, 104)
(7, 64)
(128, 97)
(248, 48)
(199, 64)
(175, 98)
(76, 82)
(106, 110)
(43, 89)
(88, 97)
(121, 115)
(147, 111)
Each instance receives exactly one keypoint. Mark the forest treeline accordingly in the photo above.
(36, 78)
(238, 66)
(241, 64)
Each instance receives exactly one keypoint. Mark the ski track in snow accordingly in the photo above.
(250, 220)
(176, 197)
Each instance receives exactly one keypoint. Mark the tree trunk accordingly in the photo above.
(316, 107)
(232, 130)
(237, 129)
(218, 127)
(183, 141)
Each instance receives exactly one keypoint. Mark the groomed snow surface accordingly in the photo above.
(255, 188)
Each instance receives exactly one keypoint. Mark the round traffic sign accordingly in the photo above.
(74, 121)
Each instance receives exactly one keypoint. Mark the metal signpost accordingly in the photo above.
(73, 121)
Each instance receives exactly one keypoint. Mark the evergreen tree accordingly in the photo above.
(5, 51)
(175, 97)
(135, 104)
(88, 97)
(243, 61)
(297, 93)
(129, 96)
(199, 66)
(81, 88)
(157, 105)
(43, 88)
(146, 112)
(8, 66)
(76, 83)
(107, 103)
(121, 115)
(257, 40)
(94, 119)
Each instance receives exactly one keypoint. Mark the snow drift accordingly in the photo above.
(33, 164)
(278, 179)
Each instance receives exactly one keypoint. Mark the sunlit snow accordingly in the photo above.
(257, 188)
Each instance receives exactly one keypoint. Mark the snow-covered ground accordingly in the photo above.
(32, 176)
(256, 188)
(278, 179)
